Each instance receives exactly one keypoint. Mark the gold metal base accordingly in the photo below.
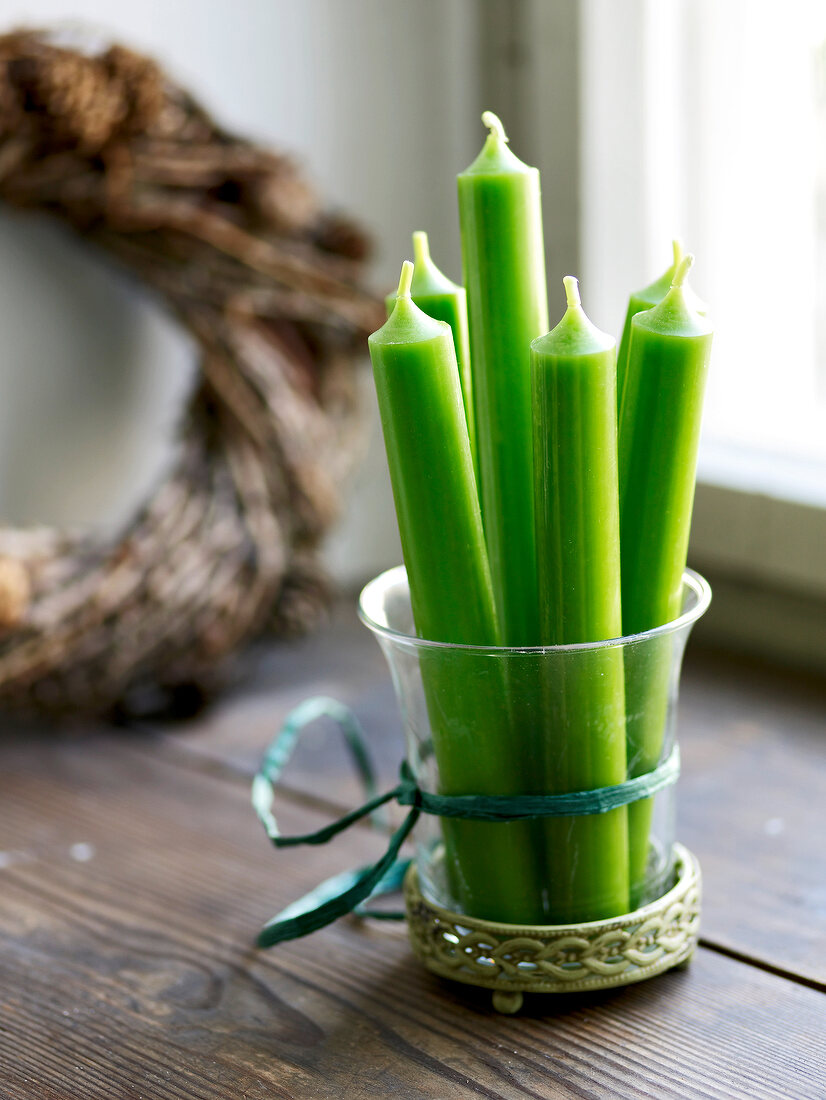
(513, 959)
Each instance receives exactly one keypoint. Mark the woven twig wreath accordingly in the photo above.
(233, 242)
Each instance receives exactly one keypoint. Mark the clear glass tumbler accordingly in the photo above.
(551, 720)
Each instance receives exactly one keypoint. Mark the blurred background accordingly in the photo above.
(648, 119)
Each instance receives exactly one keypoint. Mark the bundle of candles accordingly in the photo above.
(543, 486)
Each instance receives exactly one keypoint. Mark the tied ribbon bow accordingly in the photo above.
(346, 892)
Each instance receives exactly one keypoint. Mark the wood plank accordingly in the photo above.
(130, 892)
(343, 661)
(751, 805)
(750, 800)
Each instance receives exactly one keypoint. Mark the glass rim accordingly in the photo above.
(692, 581)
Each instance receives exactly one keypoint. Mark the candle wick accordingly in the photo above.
(677, 247)
(405, 280)
(494, 124)
(683, 269)
(421, 247)
(571, 284)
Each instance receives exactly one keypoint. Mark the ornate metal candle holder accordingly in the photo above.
(512, 959)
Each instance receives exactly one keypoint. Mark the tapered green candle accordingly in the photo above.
(659, 433)
(573, 372)
(504, 274)
(441, 298)
(647, 298)
(431, 471)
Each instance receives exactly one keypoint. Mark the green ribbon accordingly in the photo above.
(346, 892)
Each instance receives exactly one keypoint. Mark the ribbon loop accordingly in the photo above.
(281, 749)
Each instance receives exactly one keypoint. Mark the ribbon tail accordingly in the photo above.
(391, 883)
(337, 896)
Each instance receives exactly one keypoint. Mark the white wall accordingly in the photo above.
(377, 98)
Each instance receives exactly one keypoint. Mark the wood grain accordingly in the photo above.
(130, 893)
(343, 661)
(751, 804)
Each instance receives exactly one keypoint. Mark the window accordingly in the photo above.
(720, 127)
(705, 118)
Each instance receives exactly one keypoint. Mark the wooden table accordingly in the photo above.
(134, 877)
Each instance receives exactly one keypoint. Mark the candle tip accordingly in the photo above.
(421, 247)
(405, 280)
(494, 124)
(677, 247)
(683, 268)
(571, 284)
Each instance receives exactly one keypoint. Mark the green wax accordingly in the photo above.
(439, 297)
(573, 371)
(431, 471)
(645, 299)
(575, 480)
(428, 451)
(659, 434)
(504, 273)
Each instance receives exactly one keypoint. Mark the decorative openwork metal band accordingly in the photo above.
(346, 893)
(512, 960)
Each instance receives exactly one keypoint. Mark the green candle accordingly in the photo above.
(504, 273)
(573, 372)
(431, 471)
(659, 433)
(647, 298)
(439, 297)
